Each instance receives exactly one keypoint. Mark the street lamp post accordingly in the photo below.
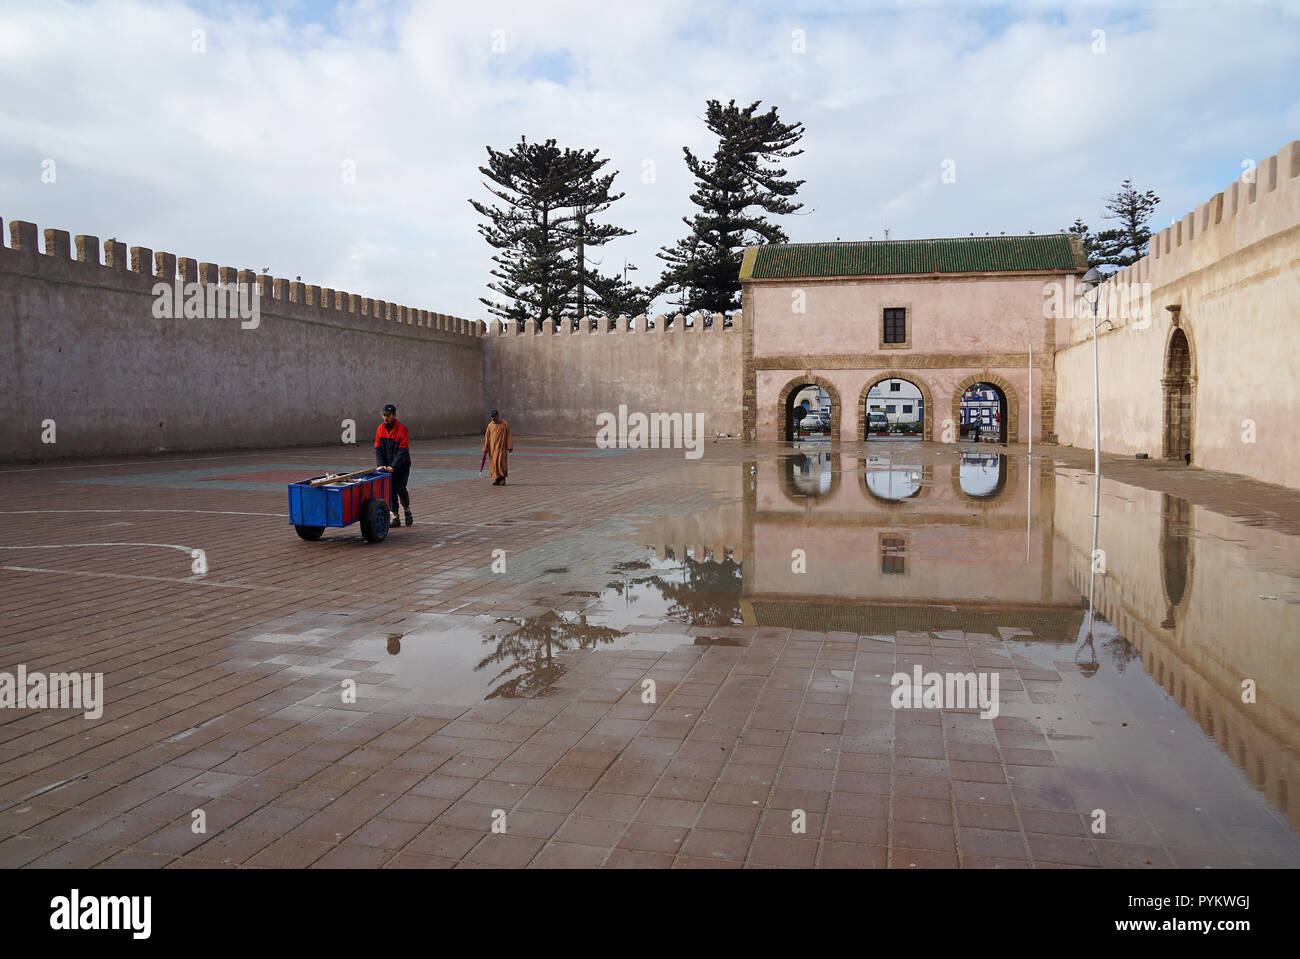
(1089, 284)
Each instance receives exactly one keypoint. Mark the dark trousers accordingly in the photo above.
(400, 473)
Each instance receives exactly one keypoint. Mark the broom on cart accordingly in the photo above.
(343, 478)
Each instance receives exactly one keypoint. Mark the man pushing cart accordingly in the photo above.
(393, 455)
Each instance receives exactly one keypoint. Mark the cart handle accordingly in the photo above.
(330, 480)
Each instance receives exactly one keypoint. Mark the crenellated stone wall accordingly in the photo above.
(97, 349)
(1225, 279)
(556, 383)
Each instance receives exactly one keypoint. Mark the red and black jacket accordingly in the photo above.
(393, 446)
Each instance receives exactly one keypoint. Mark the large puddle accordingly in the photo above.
(1158, 654)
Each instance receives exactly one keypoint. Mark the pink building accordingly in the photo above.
(942, 314)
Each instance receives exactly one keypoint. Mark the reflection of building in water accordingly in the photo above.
(907, 538)
(807, 475)
(982, 475)
(1184, 592)
(890, 482)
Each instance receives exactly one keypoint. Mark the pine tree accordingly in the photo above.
(703, 268)
(613, 296)
(590, 197)
(1089, 240)
(543, 228)
(1126, 244)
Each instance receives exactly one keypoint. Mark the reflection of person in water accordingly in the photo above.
(394, 643)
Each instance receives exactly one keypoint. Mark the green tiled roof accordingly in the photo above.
(1057, 252)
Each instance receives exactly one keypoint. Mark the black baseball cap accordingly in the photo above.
(389, 408)
(495, 413)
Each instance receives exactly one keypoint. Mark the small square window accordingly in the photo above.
(895, 387)
(891, 408)
(907, 407)
(895, 325)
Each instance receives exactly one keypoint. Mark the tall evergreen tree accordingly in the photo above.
(613, 296)
(1127, 243)
(742, 182)
(1080, 229)
(543, 227)
(590, 198)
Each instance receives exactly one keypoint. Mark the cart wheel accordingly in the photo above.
(374, 520)
(309, 533)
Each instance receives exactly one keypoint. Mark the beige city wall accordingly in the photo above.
(84, 349)
(959, 327)
(549, 383)
(1224, 628)
(1233, 266)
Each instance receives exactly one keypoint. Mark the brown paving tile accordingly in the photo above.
(652, 837)
(559, 855)
(856, 829)
(912, 835)
(412, 808)
(136, 859)
(694, 862)
(604, 805)
(349, 856)
(913, 809)
(996, 843)
(851, 855)
(385, 833)
(903, 858)
(232, 847)
(74, 855)
(289, 852)
(590, 832)
(1124, 855)
(1063, 850)
(406, 859)
(637, 859)
(505, 850)
(551, 799)
(775, 851)
(987, 816)
(444, 841)
(668, 812)
(717, 844)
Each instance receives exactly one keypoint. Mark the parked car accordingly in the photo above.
(877, 423)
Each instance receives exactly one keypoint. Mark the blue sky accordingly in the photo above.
(237, 154)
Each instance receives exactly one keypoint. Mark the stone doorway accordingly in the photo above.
(1179, 385)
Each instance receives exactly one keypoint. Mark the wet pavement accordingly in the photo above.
(627, 658)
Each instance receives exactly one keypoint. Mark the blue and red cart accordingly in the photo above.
(341, 500)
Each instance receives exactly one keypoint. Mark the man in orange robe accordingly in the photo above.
(496, 444)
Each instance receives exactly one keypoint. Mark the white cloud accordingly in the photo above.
(236, 155)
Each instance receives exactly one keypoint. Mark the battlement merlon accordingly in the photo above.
(1262, 202)
(624, 325)
(137, 270)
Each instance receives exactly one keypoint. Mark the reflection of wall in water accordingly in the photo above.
(710, 533)
(1191, 606)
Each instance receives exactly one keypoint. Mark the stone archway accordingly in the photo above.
(794, 386)
(1012, 418)
(1178, 386)
(927, 401)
